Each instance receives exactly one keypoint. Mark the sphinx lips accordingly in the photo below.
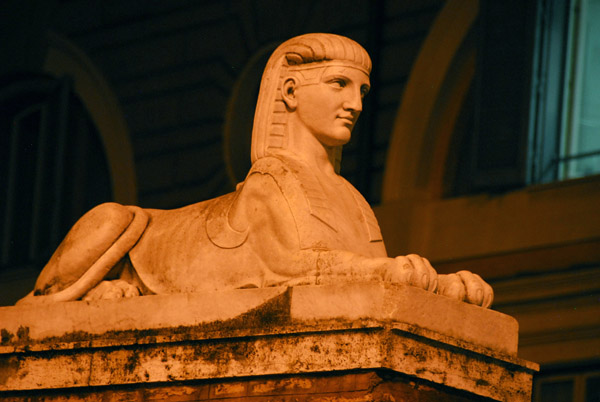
(349, 120)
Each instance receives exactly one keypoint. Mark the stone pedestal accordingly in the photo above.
(355, 342)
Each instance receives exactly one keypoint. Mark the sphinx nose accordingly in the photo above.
(353, 102)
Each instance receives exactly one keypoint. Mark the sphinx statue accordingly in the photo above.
(293, 221)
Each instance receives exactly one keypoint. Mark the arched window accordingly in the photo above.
(64, 148)
(52, 166)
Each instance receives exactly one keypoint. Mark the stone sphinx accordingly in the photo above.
(293, 221)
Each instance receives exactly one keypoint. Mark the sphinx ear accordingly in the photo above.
(288, 93)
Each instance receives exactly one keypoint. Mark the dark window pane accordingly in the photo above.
(559, 391)
(592, 389)
(53, 167)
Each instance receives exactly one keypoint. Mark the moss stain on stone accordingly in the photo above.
(23, 334)
(5, 336)
(8, 368)
(132, 363)
(269, 316)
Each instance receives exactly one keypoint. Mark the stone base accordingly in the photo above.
(365, 340)
(362, 386)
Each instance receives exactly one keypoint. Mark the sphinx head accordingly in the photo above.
(308, 61)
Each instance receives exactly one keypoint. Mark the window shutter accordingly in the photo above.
(499, 140)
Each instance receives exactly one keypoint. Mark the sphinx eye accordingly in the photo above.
(364, 90)
(338, 83)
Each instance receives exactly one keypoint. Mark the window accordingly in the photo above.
(492, 147)
(536, 96)
(52, 165)
(565, 113)
(580, 145)
(575, 387)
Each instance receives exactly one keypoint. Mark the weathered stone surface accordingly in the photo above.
(301, 304)
(409, 305)
(132, 314)
(355, 386)
(289, 332)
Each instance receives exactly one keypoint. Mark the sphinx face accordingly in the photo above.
(329, 108)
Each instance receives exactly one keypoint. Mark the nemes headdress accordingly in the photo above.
(269, 134)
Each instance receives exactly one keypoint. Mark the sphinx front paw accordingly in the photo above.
(466, 286)
(412, 270)
(116, 289)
